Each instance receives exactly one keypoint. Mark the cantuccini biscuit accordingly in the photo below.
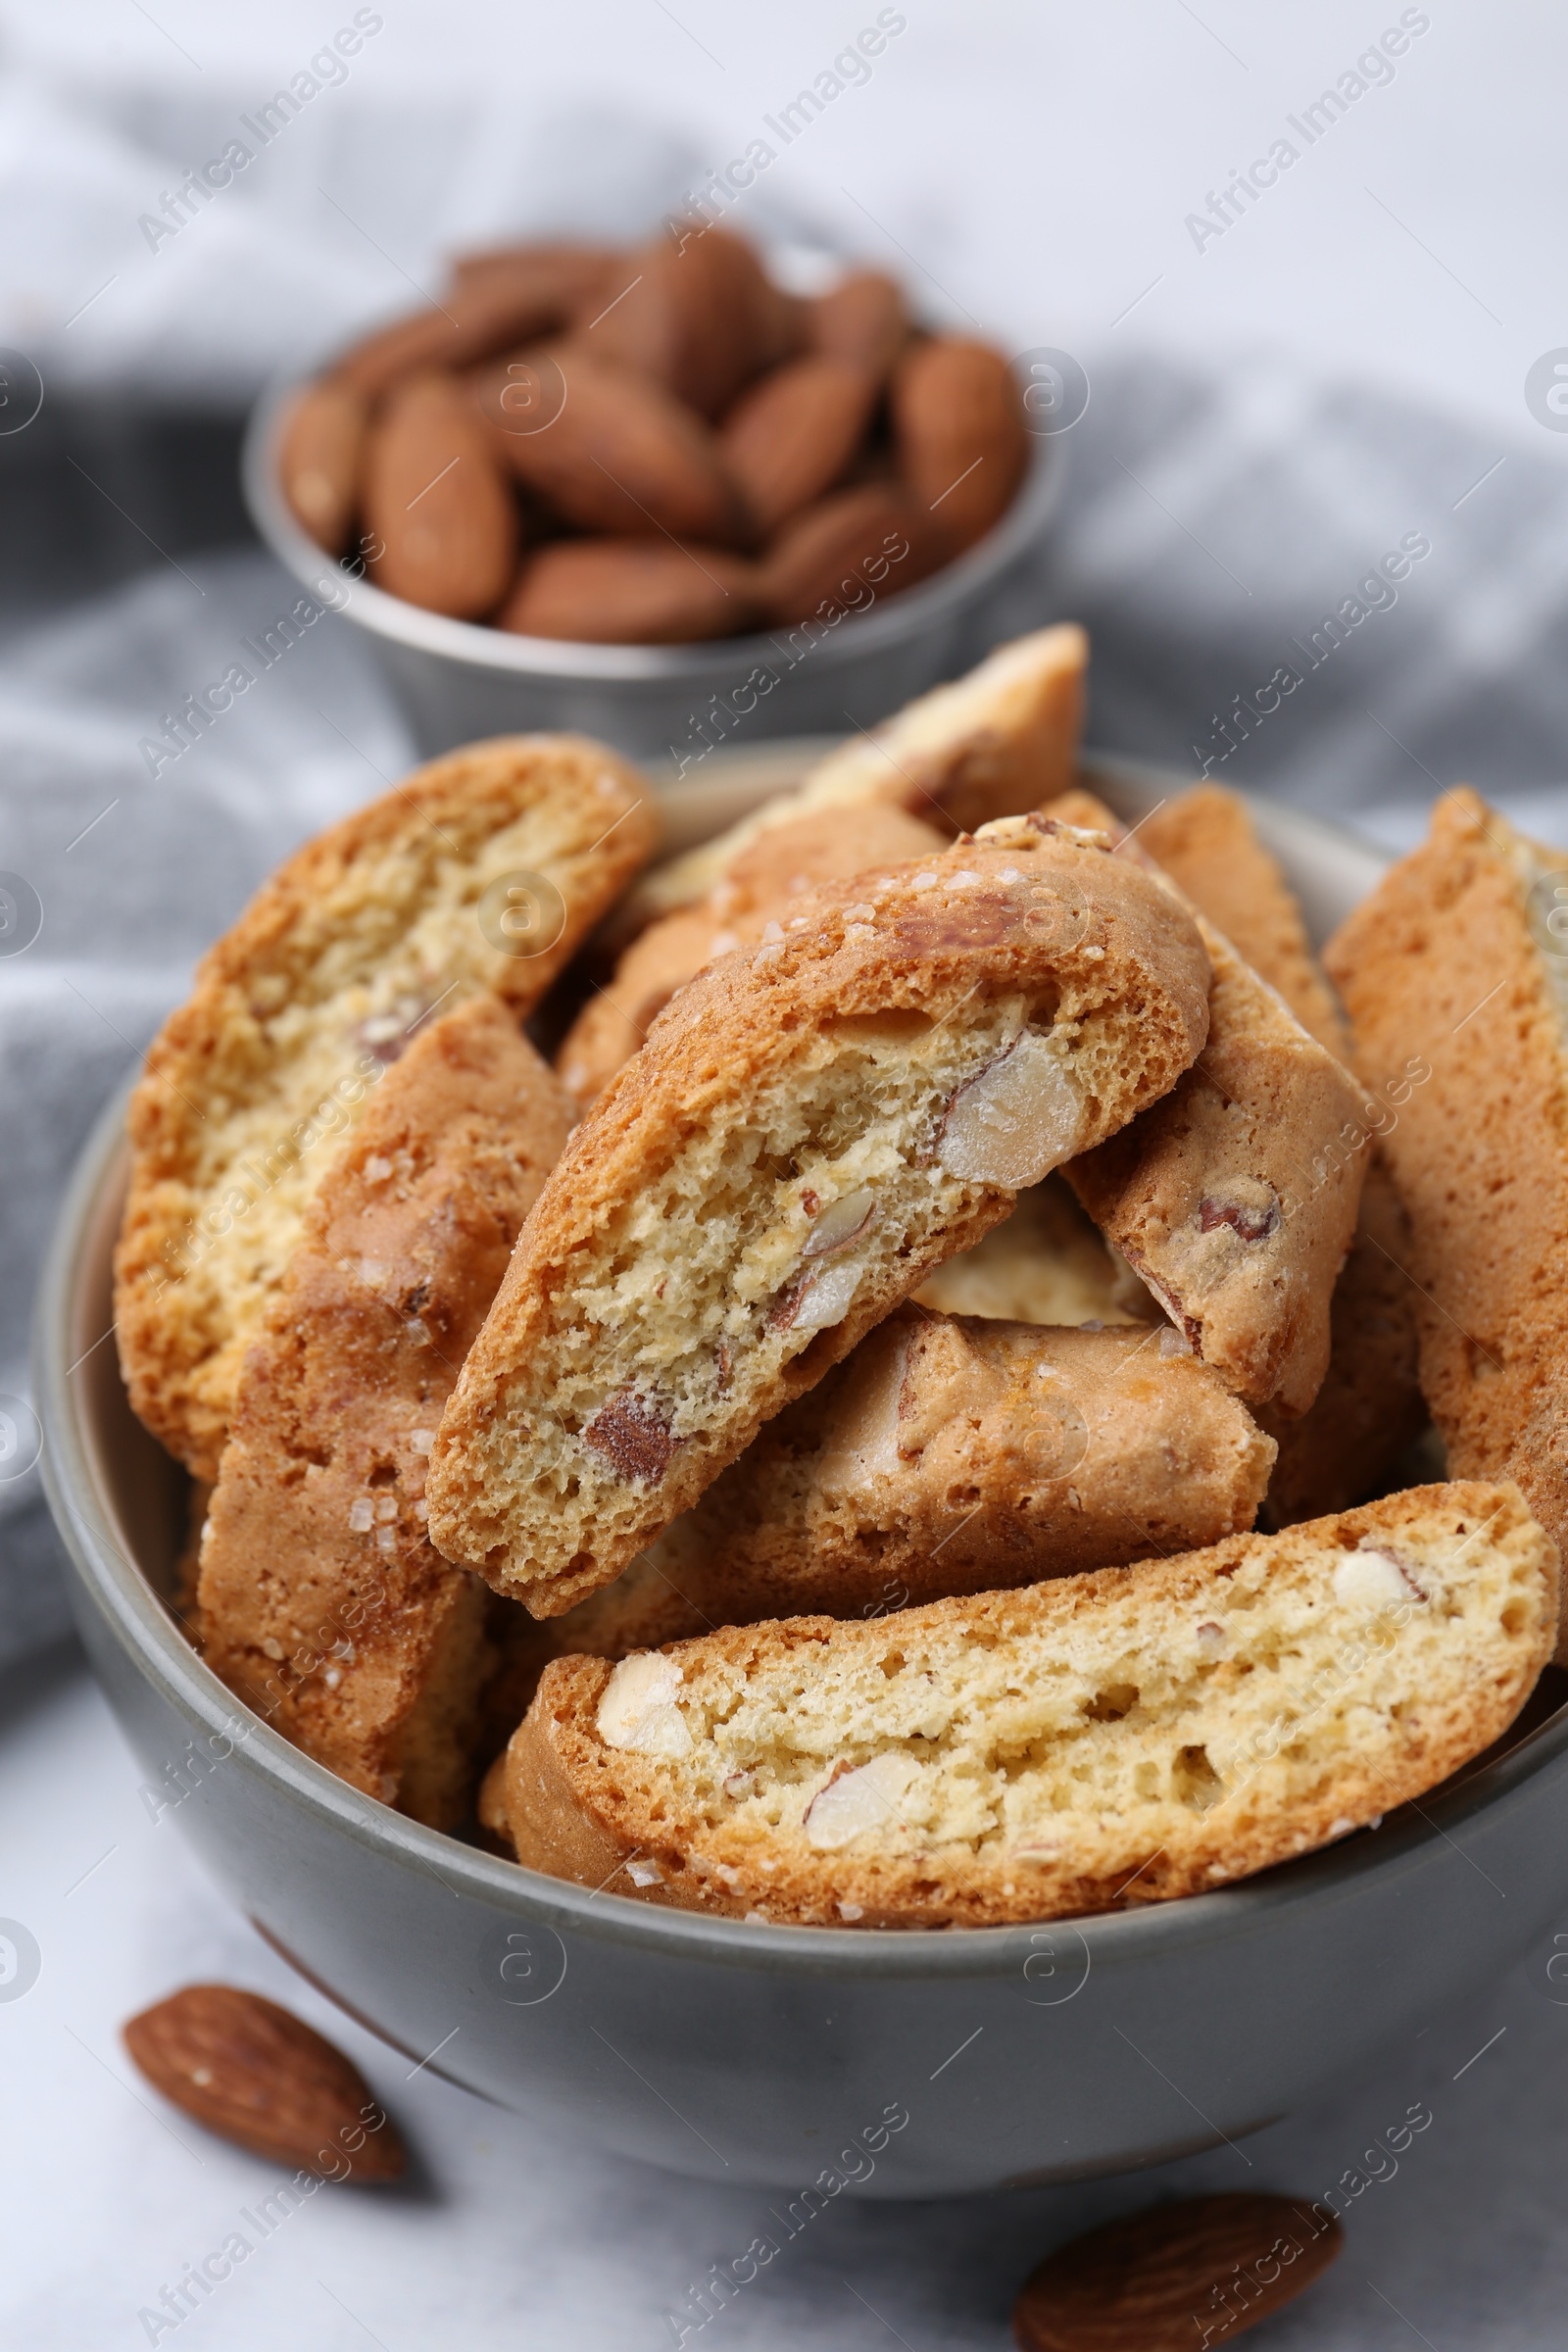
(996, 743)
(1205, 840)
(1452, 967)
(482, 871)
(809, 1128)
(945, 1456)
(322, 1602)
(1225, 1197)
(1106, 1740)
(954, 1454)
(759, 887)
(1369, 1409)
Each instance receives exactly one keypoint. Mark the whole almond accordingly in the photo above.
(560, 279)
(492, 307)
(631, 592)
(700, 314)
(319, 460)
(615, 452)
(259, 2076)
(861, 320)
(957, 424)
(437, 498)
(1175, 2276)
(790, 437)
(849, 552)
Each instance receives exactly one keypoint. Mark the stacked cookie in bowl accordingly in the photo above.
(784, 1431)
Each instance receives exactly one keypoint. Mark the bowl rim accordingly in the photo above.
(898, 619)
(144, 1627)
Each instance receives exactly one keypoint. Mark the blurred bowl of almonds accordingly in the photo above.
(670, 495)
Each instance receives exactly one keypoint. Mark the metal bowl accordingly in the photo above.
(954, 2061)
(458, 682)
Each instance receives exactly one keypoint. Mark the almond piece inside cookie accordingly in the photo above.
(671, 1291)
(1113, 1738)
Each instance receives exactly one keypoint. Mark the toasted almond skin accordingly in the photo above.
(257, 2075)
(563, 279)
(849, 549)
(631, 592)
(321, 459)
(958, 426)
(437, 498)
(701, 317)
(622, 455)
(791, 436)
(861, 320)
(496, 299)
(1203, 2271)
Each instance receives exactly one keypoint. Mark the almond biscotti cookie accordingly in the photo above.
(954, 1454)
(760, 885)
(1454, 960)
(482, 871)
(945, 1455)
(1048, 1263)
(1224, 1198)
(323, 1603)
(810, 1128)
(1106, 1740)
(1205, 840)
(1369, 1409)
(994, 744)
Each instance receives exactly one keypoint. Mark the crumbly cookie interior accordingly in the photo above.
(309, 1030)
(715, 1275)
(1023, 1740)
(769, 1226)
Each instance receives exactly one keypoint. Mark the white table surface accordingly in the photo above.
(510, 2237)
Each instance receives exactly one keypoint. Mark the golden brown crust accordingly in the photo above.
(953, 1455)
(621, 1369)
(1097, 1743)
(1370, 1408)
(786, 864)
(945, 1456)
(1459, 1035)
(297, 1011)
(1230, 1197)
(322, 1602)
(532, 1803)
(997, 742)
(1206, 841)
(1226, 1199)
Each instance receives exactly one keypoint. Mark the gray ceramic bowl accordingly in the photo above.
(458, 682)
(755, 2053)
